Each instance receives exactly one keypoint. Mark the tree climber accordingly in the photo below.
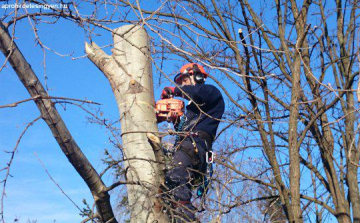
(200, 122)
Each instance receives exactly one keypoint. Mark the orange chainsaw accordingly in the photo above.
(169, 110)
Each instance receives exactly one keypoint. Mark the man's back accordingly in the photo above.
(205, 109)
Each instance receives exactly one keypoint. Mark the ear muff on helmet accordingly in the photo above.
(198, 75)
(199, 78)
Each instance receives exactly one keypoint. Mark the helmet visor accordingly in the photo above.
(179, 77)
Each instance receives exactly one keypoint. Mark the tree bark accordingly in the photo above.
(57, 126)
(130, 75)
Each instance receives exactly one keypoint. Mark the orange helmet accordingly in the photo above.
(190, 69)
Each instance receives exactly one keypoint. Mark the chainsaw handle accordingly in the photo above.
(168, 93)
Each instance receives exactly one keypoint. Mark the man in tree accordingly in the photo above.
(200, 122)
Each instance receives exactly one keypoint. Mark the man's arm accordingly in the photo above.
(200, 93)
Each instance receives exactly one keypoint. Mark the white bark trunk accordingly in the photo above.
(130, 75)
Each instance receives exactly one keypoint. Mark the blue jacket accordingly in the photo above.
(210, 101)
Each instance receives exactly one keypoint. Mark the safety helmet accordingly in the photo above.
(192, 69)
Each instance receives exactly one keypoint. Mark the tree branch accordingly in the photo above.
(57, 126)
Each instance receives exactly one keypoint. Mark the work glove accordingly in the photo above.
(168, 92)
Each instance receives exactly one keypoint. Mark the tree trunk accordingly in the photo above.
(130, 75)
(57, 126)
(293, 147)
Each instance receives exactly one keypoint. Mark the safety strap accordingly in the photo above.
(176, 204)
(184, 202)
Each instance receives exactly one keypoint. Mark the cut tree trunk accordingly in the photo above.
(129, 72)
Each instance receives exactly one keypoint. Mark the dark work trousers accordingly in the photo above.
(186, 164)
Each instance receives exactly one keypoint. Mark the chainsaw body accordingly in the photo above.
(169, 110)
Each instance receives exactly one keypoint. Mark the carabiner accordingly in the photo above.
(210, 158)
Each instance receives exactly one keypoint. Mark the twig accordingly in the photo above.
(52, 179)
(9, 165)
(45, 97)
(118, 183)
